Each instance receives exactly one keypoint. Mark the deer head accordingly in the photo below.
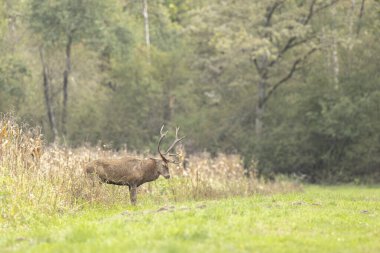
(164, 169)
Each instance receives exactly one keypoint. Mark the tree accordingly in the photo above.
(327, 133)
(246, 51)
(276, 43)
(63, 23)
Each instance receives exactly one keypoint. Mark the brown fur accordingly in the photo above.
(133, 171)
(129, 171)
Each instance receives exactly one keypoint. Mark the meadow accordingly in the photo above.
(318, 219)
(48, 206)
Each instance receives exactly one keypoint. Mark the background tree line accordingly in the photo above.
(291, 84)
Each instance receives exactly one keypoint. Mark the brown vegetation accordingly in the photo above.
(53, 181)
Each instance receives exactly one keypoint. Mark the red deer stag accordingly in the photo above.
(133, 171)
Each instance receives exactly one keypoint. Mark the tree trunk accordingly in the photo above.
(334, 46)
(168, 106)
(46, 85)
(335, 60)
(361, 13)
(146, 26)
(66, 74)
(260, 107)
(351, 22)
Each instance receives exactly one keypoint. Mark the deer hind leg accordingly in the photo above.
(133, 194)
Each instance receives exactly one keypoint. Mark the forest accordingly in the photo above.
(291, 86)
(189, 126)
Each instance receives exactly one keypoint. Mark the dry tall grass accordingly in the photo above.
(37, 179)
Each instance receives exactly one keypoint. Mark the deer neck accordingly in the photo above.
(151, 173)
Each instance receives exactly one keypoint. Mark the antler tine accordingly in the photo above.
(175, 141)
(177, 158)
(175, 162)
(162, 128)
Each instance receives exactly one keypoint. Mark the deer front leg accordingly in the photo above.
(133, 194)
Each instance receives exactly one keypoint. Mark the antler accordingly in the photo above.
(177, 156)
(171, 146)
(162, 136)
(175, 141)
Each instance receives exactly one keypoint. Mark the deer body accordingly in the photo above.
(126, 171)
(131, 171)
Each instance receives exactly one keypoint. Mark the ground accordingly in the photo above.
(317, 219)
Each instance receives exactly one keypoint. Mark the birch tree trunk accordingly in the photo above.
(334, 54)
(146, 27)
(351, 22)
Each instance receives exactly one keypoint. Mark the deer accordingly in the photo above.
(133, 171)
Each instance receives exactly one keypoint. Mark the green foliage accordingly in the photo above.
(177, 8)
(13, 74)
(325, 127)
(57, 19)
(202, 73)
(325, 132)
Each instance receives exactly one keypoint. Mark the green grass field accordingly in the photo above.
(319, 219)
